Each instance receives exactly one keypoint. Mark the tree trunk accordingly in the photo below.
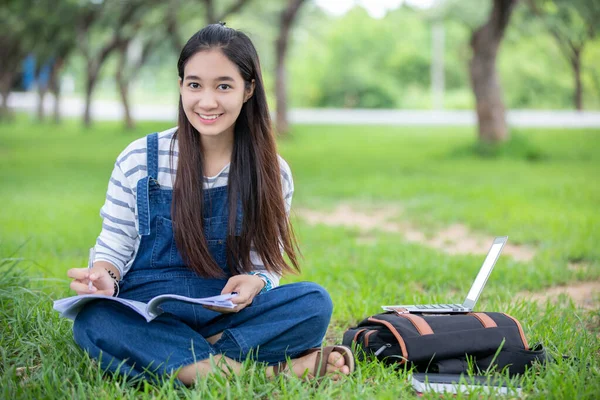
(56, 112)
(92, 78)
(124, 93)
(578, 93)
(281, 120)
(209, 12)
(54, 87)
(42, 90)
(485, 43)
(281, 47)
(5, 86)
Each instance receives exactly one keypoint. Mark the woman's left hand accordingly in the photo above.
(246, 286)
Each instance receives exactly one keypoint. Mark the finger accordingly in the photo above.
(240, 299)
(78, 273)
(223, 310)
(230, 286)
(82, 288)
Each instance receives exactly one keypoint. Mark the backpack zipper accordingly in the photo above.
(382, 348)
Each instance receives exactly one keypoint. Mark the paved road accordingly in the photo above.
(112, 110)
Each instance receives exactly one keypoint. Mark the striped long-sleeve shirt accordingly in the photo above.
(119, 239)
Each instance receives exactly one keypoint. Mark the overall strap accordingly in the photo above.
(152, 155)
(143, 185)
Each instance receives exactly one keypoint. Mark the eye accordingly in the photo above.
(224, 86)
(194, 85)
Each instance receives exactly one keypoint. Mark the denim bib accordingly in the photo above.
(158, 267)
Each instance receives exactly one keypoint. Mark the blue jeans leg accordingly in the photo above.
(125, 343)
(283, 322)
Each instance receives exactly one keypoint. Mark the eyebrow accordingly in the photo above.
(220, 78)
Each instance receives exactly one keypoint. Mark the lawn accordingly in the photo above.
(541, 190)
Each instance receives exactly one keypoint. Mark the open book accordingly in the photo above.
(69, 307)
(458, 383)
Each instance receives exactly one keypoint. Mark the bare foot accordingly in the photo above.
(305, 366)
(215, 338)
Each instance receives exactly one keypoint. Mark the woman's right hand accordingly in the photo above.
(102, 283)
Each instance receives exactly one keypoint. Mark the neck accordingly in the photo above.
(217, 152)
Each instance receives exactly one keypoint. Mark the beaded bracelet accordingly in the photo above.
(116, 282)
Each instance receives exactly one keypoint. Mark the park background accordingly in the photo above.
(391, 210)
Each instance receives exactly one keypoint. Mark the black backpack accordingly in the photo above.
(446, 343)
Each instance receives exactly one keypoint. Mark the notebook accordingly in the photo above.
(456, 383)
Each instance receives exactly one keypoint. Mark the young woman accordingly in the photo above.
(201, 210)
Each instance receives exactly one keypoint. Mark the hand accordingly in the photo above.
(102, 283)
(246, 286)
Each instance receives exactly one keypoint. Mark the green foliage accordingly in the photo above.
(358, 61)
(54, 181)
(571, 21)
(355, 60)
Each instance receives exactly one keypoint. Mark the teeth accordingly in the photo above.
(208, 116)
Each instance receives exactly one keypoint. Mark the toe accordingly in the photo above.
(336, 359)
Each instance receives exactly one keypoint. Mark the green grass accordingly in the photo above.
(540, 189)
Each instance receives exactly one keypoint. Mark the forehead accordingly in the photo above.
(210, 65)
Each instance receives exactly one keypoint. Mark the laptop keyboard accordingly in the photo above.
(438, 306)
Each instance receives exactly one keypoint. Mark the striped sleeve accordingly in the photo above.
(118, 239)
(287, 184)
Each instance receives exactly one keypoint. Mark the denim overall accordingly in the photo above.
(280, 323)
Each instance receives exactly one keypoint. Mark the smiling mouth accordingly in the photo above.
(209, 117)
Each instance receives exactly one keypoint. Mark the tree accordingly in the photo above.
(572, 23)
(281, 46)
(211, 15)
(59, 42)
(115, 23)
(174, 19)
(134, 51)
(21, 24)
(485, 42)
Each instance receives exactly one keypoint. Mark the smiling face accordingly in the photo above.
(213, 93)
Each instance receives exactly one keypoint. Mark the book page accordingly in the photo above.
(69, 307)
(223, 301)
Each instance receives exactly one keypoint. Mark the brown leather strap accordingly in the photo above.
(485, 319)
(419, 322)
(520, 331)
(367, 337)
(358, 333)
(396, 335)
(323, 359)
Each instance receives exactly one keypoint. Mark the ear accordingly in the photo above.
(180, 85)
(249, 91)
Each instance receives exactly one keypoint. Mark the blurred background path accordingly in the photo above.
(113, 110)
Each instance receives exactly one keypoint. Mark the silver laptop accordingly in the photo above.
(472, 296)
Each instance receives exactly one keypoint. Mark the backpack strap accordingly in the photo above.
(396, 335)
(485, 319)
(419, 322)
(366, 339)
(358, 332)
(520, 330)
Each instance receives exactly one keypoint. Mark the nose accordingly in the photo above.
(207, 100)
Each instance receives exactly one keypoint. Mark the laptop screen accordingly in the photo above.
(486, 269)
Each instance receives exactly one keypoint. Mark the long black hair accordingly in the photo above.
(254, 175)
